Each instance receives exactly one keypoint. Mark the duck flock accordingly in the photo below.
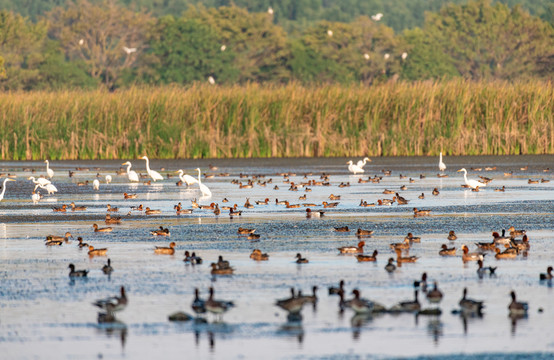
(487, 255)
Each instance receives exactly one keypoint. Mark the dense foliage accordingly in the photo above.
(114, 44)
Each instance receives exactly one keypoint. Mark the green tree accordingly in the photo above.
(487, 41)
(107, 38)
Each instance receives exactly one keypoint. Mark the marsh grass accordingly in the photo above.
(422, 118)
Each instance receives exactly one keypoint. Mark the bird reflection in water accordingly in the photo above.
(358, 321)
(113, 329)
(514, 318)
(293, 327)
(434, 328)
(467, 318)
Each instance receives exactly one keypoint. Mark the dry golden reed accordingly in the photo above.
(456, 117)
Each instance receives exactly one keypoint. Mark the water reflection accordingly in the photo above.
(434, 328)
(357, 322)
(114, 329)
(514, 318)
(293, 328)
(469, 318)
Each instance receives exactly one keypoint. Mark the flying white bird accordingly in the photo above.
(442, 166)
(49, 171)
(203, 188)
(4, 187)
(129, 51)
(153, 174)
(471, 183)
(132, 174)
(377, 17)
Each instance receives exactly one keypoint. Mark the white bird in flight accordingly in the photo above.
(354, 168)
(4, 188)
(203, 188)
(442, 166)
(49, 171)
(377, 17)
(471, 183)
(187, 179)
(129, 51)
(153, 174)
(132, 174)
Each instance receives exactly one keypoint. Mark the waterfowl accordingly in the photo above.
(335, 290)
(517, 308)
(327, 205)
(442, 165)
(522, 244)
(253, 237)
(198, 305)
(283, 202)
(245, 231)
(355, 169)
(53, 243)
(76, 273)
(470, 306)
(292, 305)
(247, 204)
(548, 275)
(387, 202)
(435, 192)
(452, 235)
(471, 183)
(129, 196)
(258, 256)
(315, 214)
(203, 188)
(59, 238)
(334, 197)
(514, 232)
(112, 219)
(445, 251)
(165, 250)
(111, 209)
(502, 189)
(96, 252)
(388, 192)
(363, 258)
(481, 270)
(366, 204)
(40, 181)
(81, 244)
(36, 196)
(352, 249)
(467, 256)
(312, 299)
(49, 171)
(187, 179)
(421, 284)
(362, 232)
(390, 267)
(544, 181)
(506, 254)
(403, 188)
(107, 268)
(194, 259)
(160, 232)
(400, 200)
(418, 212)
(413, 238)
(131, 174)
(486, 246)
(403, 245)
(435, 295)
(531, 181)
(422, 196)
(408, 306)
(153, 174)
(221, 271)
(82, 183)
(406, 259)
(300, 259)
(114, 303)
(149, 211)
(97, 229)
(264, 202)
(291, 206)
(359, 305)
(342, 229)
(63, 208)
(501, 239)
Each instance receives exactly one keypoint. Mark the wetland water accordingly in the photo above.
(45, 315)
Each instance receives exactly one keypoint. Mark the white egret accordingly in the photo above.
(108, 179)
(203, 188)
(471, 183)
(132, 174)
(211, 80)
(35, 196)
(377, 17)
(187, 179)
(361, 163)
(223, 47)
(49, 171)
(386, 56)
(354, 168)
(442, 165)
(4, 187)
(153, 174)
(404, 55)
(50, 188)
(129, 51)
(41, 181)
(96, 184)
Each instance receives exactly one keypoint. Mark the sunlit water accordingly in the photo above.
(45, 315)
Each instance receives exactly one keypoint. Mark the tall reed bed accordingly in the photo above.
(456, 117)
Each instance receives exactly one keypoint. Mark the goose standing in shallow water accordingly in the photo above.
(153, 174)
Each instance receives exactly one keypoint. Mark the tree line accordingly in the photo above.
(113, 44)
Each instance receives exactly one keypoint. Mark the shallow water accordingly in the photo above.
(41, 309)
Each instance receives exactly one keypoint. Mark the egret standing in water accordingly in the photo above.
(442, 166)
(50, 188)
(96, 184)
(132, 174)
(153, 174)
(4, 188)
(41, 181)
(354, 168)
(203, 188)
(361, 163)
(35, 197)
(471, 183)
(108, 179)
(187, 179)
(49, 171)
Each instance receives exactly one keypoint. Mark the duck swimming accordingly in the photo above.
(165, 250)
(363, 258)
(352, 249)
